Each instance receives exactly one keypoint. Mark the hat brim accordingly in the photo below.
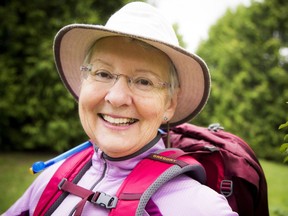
(72, 43)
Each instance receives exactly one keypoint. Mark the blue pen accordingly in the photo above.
(40, 165)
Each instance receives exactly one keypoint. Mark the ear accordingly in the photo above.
(171, 106)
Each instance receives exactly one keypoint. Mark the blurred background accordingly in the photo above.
(244, 43)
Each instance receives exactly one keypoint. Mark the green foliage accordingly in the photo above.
(284, 146)
(249, 73)
(36, 110)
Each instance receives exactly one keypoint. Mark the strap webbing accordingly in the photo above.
(51, 193)
(61, 198)
(78, 191)
(139, 186)
(98, 198)
(74, 189)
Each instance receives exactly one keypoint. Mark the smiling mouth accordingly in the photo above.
(118, 121)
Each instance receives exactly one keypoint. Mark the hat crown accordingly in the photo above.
(140, 19)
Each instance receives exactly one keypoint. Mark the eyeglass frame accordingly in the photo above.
(130, 80)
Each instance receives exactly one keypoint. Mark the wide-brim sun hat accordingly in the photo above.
(143, 22)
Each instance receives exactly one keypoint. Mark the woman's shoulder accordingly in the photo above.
(41, 181)
(44, 177)
(182, 185)
(186, 196)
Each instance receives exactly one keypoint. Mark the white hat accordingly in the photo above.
(143, 22)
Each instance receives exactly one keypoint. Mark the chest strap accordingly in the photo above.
(99, 198)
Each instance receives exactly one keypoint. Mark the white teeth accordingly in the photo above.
(118, 120)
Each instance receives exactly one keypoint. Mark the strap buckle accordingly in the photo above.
(104, 200)
(62, 182)
(215, 127)
(226, 188)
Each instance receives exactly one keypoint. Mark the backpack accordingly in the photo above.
(231, 165)
(219, 159)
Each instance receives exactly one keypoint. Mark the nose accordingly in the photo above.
(119, 94)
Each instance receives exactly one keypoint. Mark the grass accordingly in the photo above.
(277, 176)
(15, 178)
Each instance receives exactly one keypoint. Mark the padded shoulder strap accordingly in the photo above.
(68, 170)
(149, 175)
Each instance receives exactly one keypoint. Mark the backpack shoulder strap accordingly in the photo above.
(69, 169)
(138, 187)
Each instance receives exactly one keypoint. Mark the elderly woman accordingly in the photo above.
(133, 79)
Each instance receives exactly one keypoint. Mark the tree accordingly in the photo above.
(36, 110)
(284, 146)
(247, 55)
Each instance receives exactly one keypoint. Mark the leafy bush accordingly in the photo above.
(284, 146)
(36, 110)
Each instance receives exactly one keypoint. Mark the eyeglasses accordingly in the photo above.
(139, 84)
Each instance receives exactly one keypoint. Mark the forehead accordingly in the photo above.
(125, 41)
(127, 50)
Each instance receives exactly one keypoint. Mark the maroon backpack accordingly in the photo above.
(230, 167)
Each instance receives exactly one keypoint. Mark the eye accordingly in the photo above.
(142, 82)
(103, 76)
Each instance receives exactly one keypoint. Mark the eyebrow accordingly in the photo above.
(136, 71)
(101, 61)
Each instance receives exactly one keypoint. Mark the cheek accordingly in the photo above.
(84, 102)
(83, 115)
(88, 102)
(151, 109)
(89, 96)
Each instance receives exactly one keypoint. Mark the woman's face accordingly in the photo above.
(121, 119)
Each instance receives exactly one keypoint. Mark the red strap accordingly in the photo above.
(78, 191)
(72, 188)
(98, 198)
(51, 193)
(143, 176)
